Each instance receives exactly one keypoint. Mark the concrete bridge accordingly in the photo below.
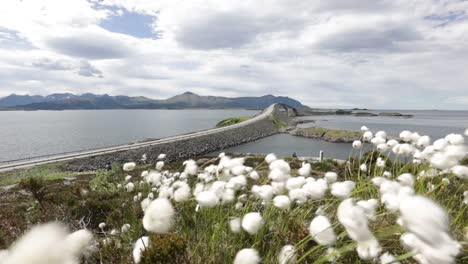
(270, 121)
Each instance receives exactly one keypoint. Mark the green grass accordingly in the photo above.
(232, 121)
(326, 134)
(48, 172)
(203, 236)
(279, 124)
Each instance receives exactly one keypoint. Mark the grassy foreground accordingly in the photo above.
(203, 235)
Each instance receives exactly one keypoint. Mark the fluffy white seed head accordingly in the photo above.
(321, 231)
(357, 144)
(161, 156)
(387, 258)
(270, 158)
(159, 216)
(367, 136)
(331, 177)
(159, 165)
(460, 171)
(381, 134)
(247, 256)
(423, 142)
(235, 225)
(207, 199)
(455, 139)
(140, 246)
(282, 202)
(254, 175)
(406, 135)
(252, 222)
(342, 190)
(129, 187)
(363, 167)
(298, 195)
(364, 129)
(315, 190)
(129, 166)
(305, 170)
(295, 183)
(280, 165)
(287, 255)
(191, 167)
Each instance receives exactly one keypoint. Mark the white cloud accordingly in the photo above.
(366, 53)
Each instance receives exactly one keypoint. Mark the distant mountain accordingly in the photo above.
(67, 101)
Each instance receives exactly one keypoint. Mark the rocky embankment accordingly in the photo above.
(186, 148)
(316, 112)
(330, 135)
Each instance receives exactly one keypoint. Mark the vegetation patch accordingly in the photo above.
(232, 121)
(331, 135)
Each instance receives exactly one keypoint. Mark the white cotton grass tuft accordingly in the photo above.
(331, 177)
(161, 156)
(357, 144)
(36, 244)
(364, 129)
(159, 165)
(367, 136)
(207, 199)
(252, 222)
(321, 231)
(427, 226)
(129, 166)
(140, 246)
(369, 207)
(455, 139)
(191, 167)
(298, 195)
(460, 171)
(125, 228)
(247, 256)
(270, 158)
(295, 183)
(159, 216)
(354, 219)
(466, 132)
(305, 169)
(387, 258)
(405, 135)
(380, 162)
(129, 187)
(235, 225)
(315, 190)
(363, 167)
(406, 179)
(287, 255)
(282, 202)
(342, 190)
(254, 175)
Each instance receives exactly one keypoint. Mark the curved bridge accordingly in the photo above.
(267, 123)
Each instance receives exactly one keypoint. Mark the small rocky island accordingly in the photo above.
(330, 135)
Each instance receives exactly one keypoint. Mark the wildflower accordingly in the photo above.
(159, 216)
(382, 147)
(369, 207)
(387, 174)
(465, 195)
(102, 225)
(125, 228)
(159, 165)
(406, 179)
(364, 129)
(357, 144)
(182, 194)
(378, 140)
(448, 157)
(405, 136)
(321, 231)
(315, 190)
(446, 181)
(238, 206)
(278, 187)
(380, 162)
(287, 255)
(145, 203)
(270, 158)
(363, 167)
(354, 219)
(129, 166)
(392, 143)
(427, 227)
(278, 175)
(127, 178)
(460, 171)
(298, 195)
(140, 246)
(247, 256)
(342, 190)
(254, 175)
(161, 156)
(381, 134)
(235, 225)
(207, 199)
(280, 165)
(264, 192)
(367, 136)
(228, 196)
(129, 187)
(36, 245)
(440, 144)
(455, 139)
(423, 141)
(166, 192)
(191, 167)
(295, 183)
(466, 132)
(331, 177)
(305, 169)
(252, 222)
(282, 202)
(114, 232)
(387, 258)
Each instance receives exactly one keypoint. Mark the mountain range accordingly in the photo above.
(68, 101)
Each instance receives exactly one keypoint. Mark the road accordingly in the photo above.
(17, 164)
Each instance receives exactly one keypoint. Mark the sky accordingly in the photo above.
(385, 54)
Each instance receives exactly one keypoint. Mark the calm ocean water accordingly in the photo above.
(36, 133)
(29, 134)
(433, 123)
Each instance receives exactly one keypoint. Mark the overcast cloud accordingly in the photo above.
(364, 53)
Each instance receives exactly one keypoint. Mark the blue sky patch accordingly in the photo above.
(447, 18)
(11, 39)
(130, 23)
